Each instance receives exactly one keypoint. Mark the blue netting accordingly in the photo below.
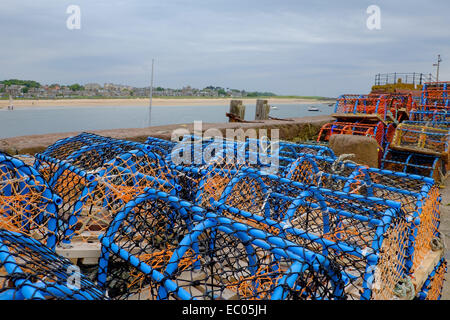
(27, 203)
(31, 271)
(160, 247)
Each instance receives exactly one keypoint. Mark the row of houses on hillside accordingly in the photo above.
(56, 91)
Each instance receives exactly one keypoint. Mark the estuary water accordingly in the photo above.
(42, 120)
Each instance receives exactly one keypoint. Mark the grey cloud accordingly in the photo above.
(289, 47)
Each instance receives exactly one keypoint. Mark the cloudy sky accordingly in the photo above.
(287, 46)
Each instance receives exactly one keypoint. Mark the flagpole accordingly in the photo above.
(151, 98)
(439, 60)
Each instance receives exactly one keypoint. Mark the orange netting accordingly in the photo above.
(258, 286)
(97, 201)
(305, 173)
(388, 273)
(248, 196)
(23, 210)
(158, 260)
(437, 283)
(428, 226)
(220, 172)
(374, 130)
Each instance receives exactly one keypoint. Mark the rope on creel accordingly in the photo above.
(341, 161)
(405, 289)
(438, 243)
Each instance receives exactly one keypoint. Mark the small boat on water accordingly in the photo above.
(313, 109)
(273, 107)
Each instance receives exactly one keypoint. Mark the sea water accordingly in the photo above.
(42, 120)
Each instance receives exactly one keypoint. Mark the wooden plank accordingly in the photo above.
(78, 250)
(427, 266)
(199, 291)
(143, 294)
(352, 289)
(87, 236)
(424, 270)
(373, 116)
(187, 277)
(419, 150)
(89, 261)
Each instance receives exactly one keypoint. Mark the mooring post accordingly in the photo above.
(262, 110)
(237, 111)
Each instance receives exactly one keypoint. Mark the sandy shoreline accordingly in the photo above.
(144, 102)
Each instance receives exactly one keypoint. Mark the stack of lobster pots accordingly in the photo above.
(133, 222)
(420, 144)
(372, 115)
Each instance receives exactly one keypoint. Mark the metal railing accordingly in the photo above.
(409, 78)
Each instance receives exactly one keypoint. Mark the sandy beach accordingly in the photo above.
(145, 102)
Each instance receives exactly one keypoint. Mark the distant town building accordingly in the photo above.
(92, 86)
(113, 90)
